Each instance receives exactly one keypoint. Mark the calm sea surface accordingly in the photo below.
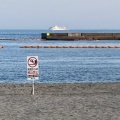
(61, 65)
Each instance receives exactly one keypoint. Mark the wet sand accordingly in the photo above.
(98, 101)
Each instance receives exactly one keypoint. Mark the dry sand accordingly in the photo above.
(98, 101)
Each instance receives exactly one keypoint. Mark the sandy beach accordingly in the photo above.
(85, 101)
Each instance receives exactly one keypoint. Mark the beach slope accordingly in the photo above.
(85, 101)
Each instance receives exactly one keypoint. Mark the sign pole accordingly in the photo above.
(33, 88)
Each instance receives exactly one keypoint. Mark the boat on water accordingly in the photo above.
(58, 28)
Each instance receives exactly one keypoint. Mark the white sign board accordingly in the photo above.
(32, 68)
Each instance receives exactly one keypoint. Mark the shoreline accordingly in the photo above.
(59, 88)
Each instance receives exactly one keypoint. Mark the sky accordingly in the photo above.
(74, 14)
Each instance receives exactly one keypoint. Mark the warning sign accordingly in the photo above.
(32, 68)
(32, 61)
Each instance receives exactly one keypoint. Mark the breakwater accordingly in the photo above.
(20, 39)
(67, 47)
(80, 36)
(70, 47)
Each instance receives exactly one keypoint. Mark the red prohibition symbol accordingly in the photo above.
(32, 62)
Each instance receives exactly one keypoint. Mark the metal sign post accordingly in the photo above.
(32, 70)
(33, 91)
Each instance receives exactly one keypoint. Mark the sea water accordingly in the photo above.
(58, 65)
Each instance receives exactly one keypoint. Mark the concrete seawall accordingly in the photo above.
(80, 36)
